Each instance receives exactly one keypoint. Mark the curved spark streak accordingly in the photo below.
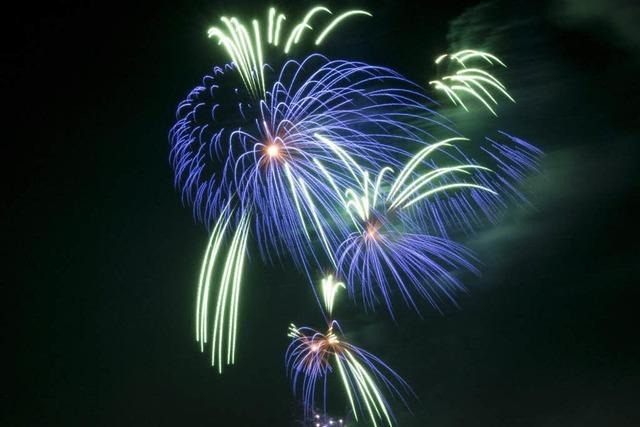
(297, 31)
(336, 21)
(276, 37)
(467, 54)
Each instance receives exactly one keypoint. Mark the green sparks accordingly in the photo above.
(329, 288)
(471, 82)
(245, 45)
(225, 323)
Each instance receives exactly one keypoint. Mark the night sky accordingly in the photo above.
(103, 259)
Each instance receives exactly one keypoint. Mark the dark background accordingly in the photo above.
(102, 258)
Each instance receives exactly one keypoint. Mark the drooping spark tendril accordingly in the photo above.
(312, 356)
(226, 309)
(474, 81)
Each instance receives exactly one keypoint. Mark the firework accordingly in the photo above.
(472, 81)
(312, 356)
(389, 249)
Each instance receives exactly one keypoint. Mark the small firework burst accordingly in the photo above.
(366, 380)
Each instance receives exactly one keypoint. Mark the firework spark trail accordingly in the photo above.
(474, 81)
(312, 356)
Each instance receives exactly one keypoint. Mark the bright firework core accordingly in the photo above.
(372, 231)
(273, 150)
